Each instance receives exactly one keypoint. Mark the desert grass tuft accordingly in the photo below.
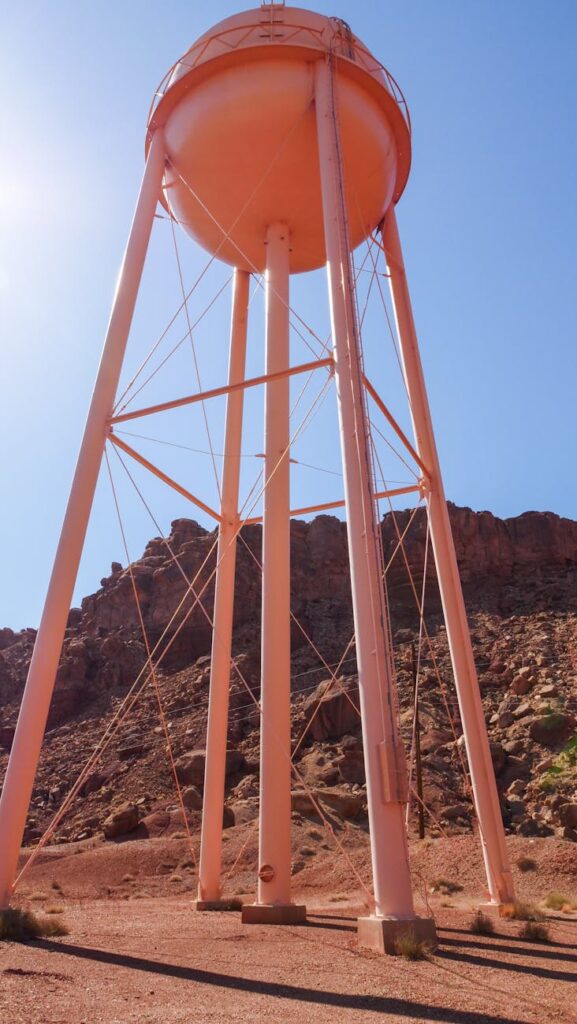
(481, 924)
(557, 901)
(520, 911)
(54, 908)
(446, 886)
(18, 925)
(534, 931)
(410, 947)
(526, 864)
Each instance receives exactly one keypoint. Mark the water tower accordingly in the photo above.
(280, 143)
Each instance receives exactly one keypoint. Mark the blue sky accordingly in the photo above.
(488, 222)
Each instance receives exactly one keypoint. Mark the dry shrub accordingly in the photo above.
(21, 925)
(411, 947)
(481, 924)
(526, 864)
(54, 908)
(534, 931)
(520, 911)
(446, 886)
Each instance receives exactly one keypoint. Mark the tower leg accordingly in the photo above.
(35, 706)
(478, 752)
(209, 893)
(274, 886)
(385, 764)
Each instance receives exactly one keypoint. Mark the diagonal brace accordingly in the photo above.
(163, 476)
(251, 382)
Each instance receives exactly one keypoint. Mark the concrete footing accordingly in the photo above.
(495, 910)
(381, 933)
(223, 905)
(273, 913)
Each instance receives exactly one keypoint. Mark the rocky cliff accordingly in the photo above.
(520, 581)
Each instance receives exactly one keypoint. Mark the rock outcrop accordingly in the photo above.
(520, 582)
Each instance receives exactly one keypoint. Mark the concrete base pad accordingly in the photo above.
(495, 910)
(272, 913)
(381, 933)
(224, 905)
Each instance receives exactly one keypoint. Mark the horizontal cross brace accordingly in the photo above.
(412, 489)
(251, 382)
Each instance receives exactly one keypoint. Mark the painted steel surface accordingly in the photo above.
(239, 118)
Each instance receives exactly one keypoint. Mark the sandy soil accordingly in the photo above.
(156, 960)
(137, 952)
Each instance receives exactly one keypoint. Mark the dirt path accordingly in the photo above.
(154, 960)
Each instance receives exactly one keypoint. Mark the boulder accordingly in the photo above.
(331, 709)
(498, 757)
(551, 729)
(245, 810)
(190, 767)
(346, 805)
(523, 681)
(433, 739)
(7, 736)
(567, 814)
(192, 798)
(122, 820)
(455, 811)
(351, 765)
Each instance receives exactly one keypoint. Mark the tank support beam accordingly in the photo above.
(478, 751)
(209, 881)
(25, 752)
(385, 765)
(273, 902)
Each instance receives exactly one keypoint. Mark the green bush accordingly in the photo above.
(556, 901)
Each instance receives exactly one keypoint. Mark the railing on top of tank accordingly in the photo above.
(232, 38)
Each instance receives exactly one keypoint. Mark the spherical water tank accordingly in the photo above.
(240, 132)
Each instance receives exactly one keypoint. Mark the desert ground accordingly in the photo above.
(136, 951)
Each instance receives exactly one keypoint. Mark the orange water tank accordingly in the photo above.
(239, 120)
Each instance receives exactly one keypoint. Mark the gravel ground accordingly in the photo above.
(137, 952)
(151, 960)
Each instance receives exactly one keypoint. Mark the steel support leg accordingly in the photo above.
(477, 744)
(274, 885)
(22, 765)
(385, 764)
(209, 883)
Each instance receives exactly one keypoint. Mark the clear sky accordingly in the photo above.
(488, 222)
